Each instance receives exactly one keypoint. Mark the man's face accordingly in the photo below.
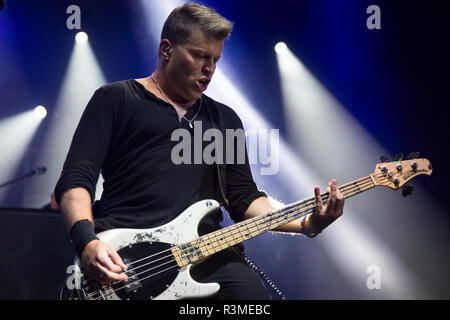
(192, 64)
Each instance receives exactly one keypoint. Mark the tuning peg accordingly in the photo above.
(398, 157)
(413, 155)
(383, 159)
(407, 190)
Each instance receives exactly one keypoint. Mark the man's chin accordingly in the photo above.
(196, 95)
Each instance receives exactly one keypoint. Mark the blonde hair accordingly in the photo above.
(182, 19)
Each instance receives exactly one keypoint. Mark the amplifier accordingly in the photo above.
(35, 252)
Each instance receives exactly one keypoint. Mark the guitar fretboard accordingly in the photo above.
(216, 241)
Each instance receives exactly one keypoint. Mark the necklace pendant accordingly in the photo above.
(190, 125)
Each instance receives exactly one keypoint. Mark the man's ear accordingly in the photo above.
(165, 48)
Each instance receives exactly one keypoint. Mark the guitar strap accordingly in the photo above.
(217, 122)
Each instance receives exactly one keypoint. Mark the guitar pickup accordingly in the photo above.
(133, 283)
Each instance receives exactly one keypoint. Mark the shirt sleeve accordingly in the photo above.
(89, 147)
(241, 189)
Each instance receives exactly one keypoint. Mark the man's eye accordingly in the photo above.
(198, 55)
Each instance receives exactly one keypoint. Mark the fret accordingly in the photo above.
(358, 188)
(258, 229)
(236, 234)
(270, 222)
(220, 240)
(247, 230)
(215, 245)
(240, 234)
(226, 241)
(207, 244)
(230, 239)
(178, 254)
(203, 248)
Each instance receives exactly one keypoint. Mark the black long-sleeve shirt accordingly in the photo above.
(125, 133)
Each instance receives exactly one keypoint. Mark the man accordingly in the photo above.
(125, 132)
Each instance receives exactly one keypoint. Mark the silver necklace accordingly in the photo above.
(168, 101)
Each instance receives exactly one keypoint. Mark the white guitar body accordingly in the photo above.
(181, 230)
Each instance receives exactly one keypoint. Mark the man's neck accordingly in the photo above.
(163, 83)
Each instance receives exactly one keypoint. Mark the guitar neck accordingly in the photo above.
(221, 239)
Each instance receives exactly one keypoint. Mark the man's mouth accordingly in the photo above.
(202, 84)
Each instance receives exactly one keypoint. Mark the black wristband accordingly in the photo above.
(82, 232)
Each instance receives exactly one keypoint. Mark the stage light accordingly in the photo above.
(81, 37)
(280, 48)
(40, 112)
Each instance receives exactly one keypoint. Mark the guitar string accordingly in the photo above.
(111, 290)
(295, 208)
(272, 215)
(348, 186)
(108, 290)
(218, 231)
(283, 212)
(277, 214)
(209, 236)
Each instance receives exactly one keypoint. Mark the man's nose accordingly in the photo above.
(209, 67)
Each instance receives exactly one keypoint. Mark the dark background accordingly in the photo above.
(394, 81)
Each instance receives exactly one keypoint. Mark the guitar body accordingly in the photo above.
(152, 271)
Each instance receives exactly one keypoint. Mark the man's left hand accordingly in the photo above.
(325, 215)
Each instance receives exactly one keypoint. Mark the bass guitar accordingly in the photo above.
(159, 259)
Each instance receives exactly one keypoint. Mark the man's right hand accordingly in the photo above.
(103, 263)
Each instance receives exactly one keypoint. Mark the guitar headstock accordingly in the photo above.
(395, 174)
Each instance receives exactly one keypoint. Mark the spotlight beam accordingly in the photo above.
(17, 133)
(83, 76)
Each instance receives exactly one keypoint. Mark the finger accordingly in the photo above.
(96, 273)
(319, 203)
(339, 203)
(332, 196)
(339, 208)
(116, 258)
(332, 185)
(105, 260)
(106, 275)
